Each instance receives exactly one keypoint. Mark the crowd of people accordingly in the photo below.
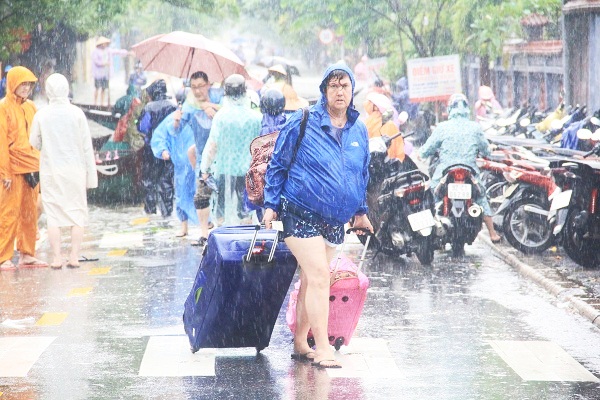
(193, 151)
(194, 156)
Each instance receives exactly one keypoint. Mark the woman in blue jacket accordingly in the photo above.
(315, 195)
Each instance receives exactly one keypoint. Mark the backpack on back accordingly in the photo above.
(261, 149)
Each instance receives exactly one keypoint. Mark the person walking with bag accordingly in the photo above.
(232, 130)
(19, 162)
(316, 192)
(67, 167)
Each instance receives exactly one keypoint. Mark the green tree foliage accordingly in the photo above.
(91, 17)
(404, 29)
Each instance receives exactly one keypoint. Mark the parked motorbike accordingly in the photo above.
(527, 198)
(400, 204)
(576, 211)
(459, 215)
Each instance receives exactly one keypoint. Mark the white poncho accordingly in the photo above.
(67, 167)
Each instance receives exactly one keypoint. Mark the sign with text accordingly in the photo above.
(434, 78)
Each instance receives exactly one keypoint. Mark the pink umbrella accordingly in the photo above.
(181, 54)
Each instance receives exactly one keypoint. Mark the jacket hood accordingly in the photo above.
(16, 76)
(157, 90)
(57, 87)
(329, 70)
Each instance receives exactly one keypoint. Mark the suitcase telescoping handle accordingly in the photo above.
(364, 252)
(273, 248)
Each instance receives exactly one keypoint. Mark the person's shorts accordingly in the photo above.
(301, 223)
(101, 83)
(202, 195)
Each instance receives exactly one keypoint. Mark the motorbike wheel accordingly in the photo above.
(424, 251)
(525, 231)
(582, 251)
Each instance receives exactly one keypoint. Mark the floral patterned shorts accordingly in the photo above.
(301, 223)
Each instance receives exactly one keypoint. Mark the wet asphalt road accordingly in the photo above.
(432, 332)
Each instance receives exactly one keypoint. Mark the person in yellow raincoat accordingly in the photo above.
(382, 119)
(18, 200)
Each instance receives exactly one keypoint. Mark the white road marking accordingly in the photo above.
(365, 358)
(541, 361)
(171, 356)
(18, 354)
(122, 240)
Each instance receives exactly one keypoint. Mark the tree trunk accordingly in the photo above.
(485, 76)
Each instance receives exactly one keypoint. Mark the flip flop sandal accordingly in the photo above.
(200, 242)
(303, 357)
(320, 364)
(86, 259)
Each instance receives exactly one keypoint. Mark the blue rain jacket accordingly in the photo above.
(165, 137)
(328, 177)
(196, 119)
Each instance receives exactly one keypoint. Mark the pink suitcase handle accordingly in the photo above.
(341, 252)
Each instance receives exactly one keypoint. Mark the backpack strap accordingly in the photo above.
(302, 132)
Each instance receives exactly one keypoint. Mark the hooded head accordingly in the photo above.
(157, 90)
(458, 106)
(327, 77)
(57, 88)
(486, 93)
(15, 77)
(384, 104)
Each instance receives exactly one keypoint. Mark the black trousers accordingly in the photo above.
(158, 182)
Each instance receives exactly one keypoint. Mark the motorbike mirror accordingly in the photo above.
(584, 134)
(402, 118)
(595, 121)
(556, 124)
(596, 135)
(524, 122)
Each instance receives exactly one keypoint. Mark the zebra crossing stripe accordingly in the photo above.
(541, 361)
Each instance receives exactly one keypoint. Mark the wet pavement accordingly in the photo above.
(469, 328)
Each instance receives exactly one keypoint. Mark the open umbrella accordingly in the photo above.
(181, 54)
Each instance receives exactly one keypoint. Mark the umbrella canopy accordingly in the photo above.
(181, 54)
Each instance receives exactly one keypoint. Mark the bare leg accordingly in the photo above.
(203, 214)
(54, 239)
(96, 96)
(313, 302)
(489, 223)
(184, 229)
(76, 239)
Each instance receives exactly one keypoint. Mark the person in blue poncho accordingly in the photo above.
(315, 195)
(170, 143)
(201, 104)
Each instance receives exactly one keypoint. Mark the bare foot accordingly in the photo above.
(30, 260)
(302, 349)
(6, 265)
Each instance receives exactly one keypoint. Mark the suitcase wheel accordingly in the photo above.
(259, 349)
(338, 343)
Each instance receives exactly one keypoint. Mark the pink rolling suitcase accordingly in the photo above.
(348, 293)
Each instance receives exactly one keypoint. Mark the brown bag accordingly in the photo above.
(261, 149)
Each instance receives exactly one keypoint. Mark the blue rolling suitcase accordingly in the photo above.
(240, 286)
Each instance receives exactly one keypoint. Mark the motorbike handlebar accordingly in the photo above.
(595, 150)
(364, 232)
